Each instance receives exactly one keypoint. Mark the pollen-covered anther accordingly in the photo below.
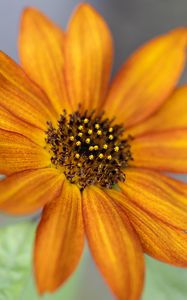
(87, 140)
(99, 132)
(90, 131)
(89, 149)
(86, 121)
(77, 155)
(116, 149)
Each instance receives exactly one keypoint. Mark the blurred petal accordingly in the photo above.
(17, 153)
(59, 239)
(163, 151)
(158, 239)
(114, 245)
(41, 45)
(148, 78)
(27, 191)
(172, 115)
(88, 54)
(20, 96)
(157, 196)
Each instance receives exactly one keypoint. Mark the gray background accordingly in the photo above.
(132, 23)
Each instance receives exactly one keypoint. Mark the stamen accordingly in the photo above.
(99, 159)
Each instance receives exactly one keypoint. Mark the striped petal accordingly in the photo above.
(10, 122)
(158, 239)
(88, 56)
(163, 198)
(114, 245)
(41, 45)
(20, 96)
(59, 239)
(164, 151)
(172, 115)
(148, 78)
(28, 191)
(17, 153)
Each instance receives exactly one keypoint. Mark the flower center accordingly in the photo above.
(89, 149)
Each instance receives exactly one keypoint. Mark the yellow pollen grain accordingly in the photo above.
(91, 157)
(110, 129)
(110, 137)
(116, 149)
(90, 131)
(97, 126)
(80, 127)
(78, 143)
(96, 147)
(80, 134)
(105, 146)
(99, 132)
(91, 148)
(72, 138)
(79, 165)
(77, 155)
(87, 141)
(109, 157)
(101, 155)
(86, 121)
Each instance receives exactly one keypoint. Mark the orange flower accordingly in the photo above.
(61, 152)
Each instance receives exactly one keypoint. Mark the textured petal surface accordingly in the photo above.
(148, 78)
(20, 96)
(88, 55)
(27, 191)
(17, 153)
(41, 45)
(158, 239)
(10, 122)
(114, 245)
(172, 115)
(59, 239)
(166, 151)
(163, 198)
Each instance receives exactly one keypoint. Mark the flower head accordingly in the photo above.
(92, 154)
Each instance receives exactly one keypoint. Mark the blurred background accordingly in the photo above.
(132, 22)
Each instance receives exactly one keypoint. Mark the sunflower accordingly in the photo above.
(93, 156)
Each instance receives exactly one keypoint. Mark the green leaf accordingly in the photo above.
(16, 278)
(15, 255)
(164, 282)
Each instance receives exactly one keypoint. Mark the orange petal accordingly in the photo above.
(158, 239)
(172, 115)
(157, 196)
(148, 78)
(17, 153)
(10, 122)
(20, 96)
(114, 245)
(59, 239)
(166, 151)
(41, 45)
(26, 192)
(88, 58)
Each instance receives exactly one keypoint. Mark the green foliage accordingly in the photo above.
(163, 282)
